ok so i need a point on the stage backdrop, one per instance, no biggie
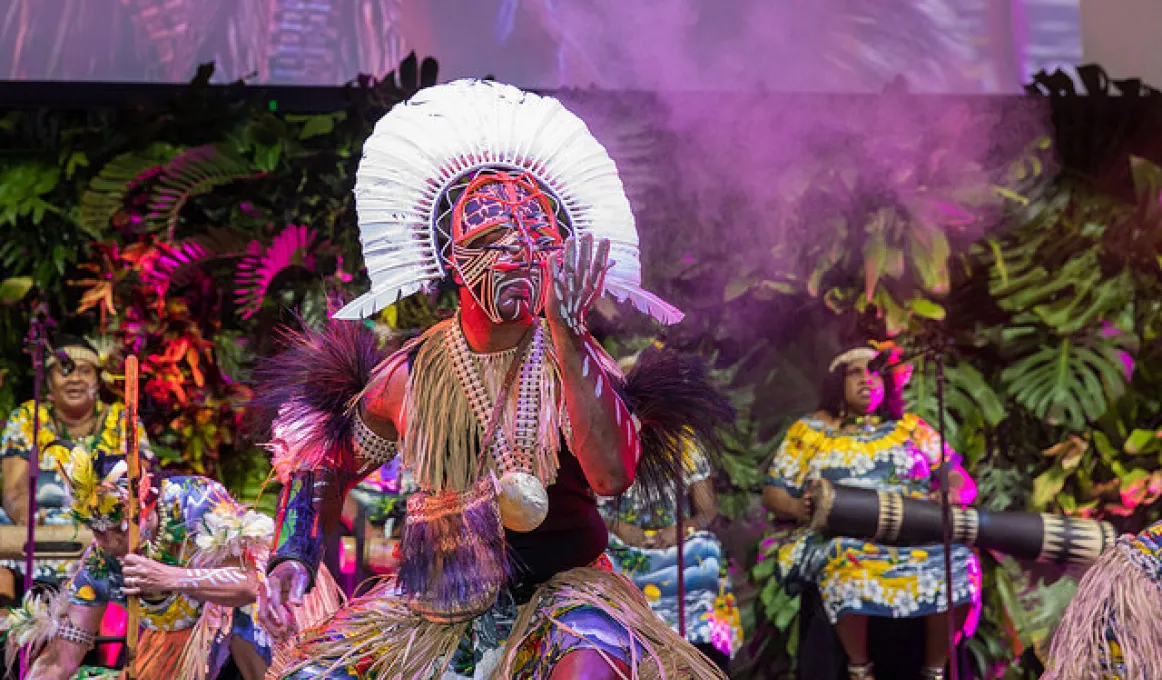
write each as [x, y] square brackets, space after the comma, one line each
[835, 45]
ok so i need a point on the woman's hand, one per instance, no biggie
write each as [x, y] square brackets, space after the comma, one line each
[631, 534]
[804, 508]
[144, 576]
[666, 538]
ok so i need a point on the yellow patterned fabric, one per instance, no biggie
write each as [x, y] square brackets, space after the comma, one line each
[52, 495]
[856, 576]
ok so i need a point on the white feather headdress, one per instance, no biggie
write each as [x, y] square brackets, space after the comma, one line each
[422, 146]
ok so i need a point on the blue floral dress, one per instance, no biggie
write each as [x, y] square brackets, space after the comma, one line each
[197, 519]
[856, 576]
[51, 496]
[712, 615]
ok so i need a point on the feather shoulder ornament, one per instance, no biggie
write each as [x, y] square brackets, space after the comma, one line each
[33, 624]
[421, 147]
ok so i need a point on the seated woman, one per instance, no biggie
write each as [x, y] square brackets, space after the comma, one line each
[643, 545]
[861, 437]
[72, 413]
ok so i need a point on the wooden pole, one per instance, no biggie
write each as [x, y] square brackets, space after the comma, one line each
[134, 508]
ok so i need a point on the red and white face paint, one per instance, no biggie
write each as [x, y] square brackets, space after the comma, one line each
[504, 230]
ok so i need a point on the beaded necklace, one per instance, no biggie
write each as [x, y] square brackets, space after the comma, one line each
[519, 455]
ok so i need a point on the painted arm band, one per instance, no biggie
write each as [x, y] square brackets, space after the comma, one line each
[298, 532]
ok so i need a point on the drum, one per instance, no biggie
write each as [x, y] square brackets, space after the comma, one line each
[891, 519]
[56, 542]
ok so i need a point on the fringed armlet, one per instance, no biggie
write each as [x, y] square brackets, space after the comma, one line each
[673, 399]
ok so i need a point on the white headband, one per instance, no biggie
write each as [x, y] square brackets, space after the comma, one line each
[76, 353]
[857, 354]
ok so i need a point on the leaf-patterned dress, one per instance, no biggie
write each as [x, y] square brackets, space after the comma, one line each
[856, 576]
[51, 496]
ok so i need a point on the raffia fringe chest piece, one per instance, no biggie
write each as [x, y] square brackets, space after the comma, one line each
[453, 544]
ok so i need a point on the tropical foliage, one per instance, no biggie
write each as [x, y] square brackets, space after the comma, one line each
[185, 232]
[182, 233]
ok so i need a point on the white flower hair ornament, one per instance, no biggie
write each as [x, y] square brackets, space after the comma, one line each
[423, 147]
[228, 533]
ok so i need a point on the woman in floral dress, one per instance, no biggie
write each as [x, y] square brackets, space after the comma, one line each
[73, 412]
[860, 437]
[643, 546]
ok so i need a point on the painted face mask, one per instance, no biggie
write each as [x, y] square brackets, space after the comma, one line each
[504, 229]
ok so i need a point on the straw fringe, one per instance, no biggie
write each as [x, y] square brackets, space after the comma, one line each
[194, 661]
[1116, 601]
[159, 653]
[379, 634]
[443, 439]
[666, 655]
[319, 605]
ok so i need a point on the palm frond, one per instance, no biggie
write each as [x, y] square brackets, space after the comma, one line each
[292, 247]
[192, 173]
[183, 263]
[107, 191]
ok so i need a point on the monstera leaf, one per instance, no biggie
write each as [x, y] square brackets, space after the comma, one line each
[1070, 382]
[1076, 296]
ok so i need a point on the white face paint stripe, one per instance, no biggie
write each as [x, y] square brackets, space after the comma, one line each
[585, 366]
[599, 384]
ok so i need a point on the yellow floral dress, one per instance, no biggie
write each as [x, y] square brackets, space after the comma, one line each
[855, 576]
[51, 496]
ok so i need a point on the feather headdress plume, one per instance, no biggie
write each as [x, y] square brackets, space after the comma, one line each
[423, 146]
[98, 500]
[33, 623]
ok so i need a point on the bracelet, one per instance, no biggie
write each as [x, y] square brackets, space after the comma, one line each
[372, 447]
[78, 636]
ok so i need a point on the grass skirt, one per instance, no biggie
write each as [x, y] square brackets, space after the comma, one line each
[377, 637]
[1113, 627]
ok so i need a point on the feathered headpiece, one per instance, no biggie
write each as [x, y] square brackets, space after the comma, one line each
[97, 484]
[423, 146]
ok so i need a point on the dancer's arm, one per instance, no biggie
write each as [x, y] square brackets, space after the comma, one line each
[229, 585]
[63, 654]
[313, 501]
[603, 433]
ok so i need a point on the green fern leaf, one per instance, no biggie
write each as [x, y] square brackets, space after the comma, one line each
[194, 172]
[107, 191]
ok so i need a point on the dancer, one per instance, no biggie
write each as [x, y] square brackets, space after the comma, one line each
[507, 421]
[1113, 627]
[860, 436]
[204, 555]
[644, 543]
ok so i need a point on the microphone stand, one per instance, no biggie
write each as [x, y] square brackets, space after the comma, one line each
[35, 341]
[680, 527]
[934, 352]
